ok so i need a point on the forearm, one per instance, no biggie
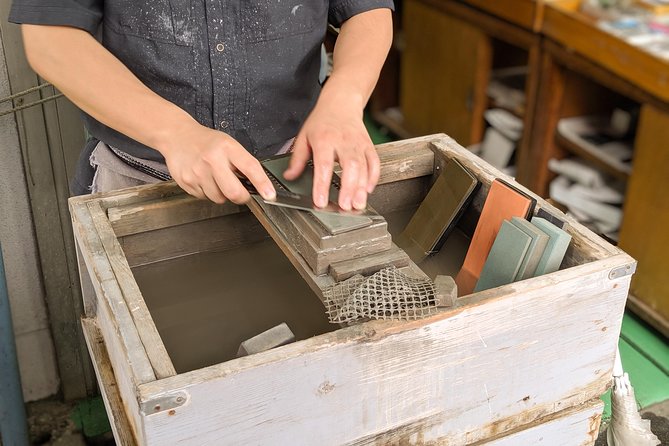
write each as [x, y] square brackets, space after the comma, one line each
[98, 83]
[360, 51]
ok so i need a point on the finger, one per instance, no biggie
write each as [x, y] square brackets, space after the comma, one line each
[373, 168]
[191, 188]
[298, 159]
[210, 188]
[230, 186]
[353, 177]
[323, 165]
[251, 168]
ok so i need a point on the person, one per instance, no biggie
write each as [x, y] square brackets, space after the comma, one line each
[199, 90]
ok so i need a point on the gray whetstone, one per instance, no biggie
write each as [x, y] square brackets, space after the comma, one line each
[447, 291]
[274, 337]
[335, 224]
[555, 249]
[438, 212]
[535, 250]
[505, 257]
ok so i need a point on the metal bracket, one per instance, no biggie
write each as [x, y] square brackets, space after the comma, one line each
[163, 403]
[622, 271]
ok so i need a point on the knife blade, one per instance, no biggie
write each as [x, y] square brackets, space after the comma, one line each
[287, 199]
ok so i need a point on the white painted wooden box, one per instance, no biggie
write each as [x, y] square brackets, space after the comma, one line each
[172, 285]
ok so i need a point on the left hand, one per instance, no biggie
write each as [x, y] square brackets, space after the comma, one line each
[334, 131]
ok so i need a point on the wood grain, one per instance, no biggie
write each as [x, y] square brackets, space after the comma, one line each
[108, 386]
[577, 425]
[644, 231]
[153, 345]
[379, 376]
[129, 360]
[164, 213]
[219, 233]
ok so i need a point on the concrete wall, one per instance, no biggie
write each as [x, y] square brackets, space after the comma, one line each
[31, 326]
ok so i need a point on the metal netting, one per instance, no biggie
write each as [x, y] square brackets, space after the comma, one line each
[387, 294]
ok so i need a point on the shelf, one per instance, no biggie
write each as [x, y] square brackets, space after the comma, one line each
[525, 13]
[564, 24]
[577, 150]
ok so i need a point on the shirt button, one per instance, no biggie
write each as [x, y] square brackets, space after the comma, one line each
[224, 124]
[220, 47]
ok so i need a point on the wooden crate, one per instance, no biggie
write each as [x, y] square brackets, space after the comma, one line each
[519, 364]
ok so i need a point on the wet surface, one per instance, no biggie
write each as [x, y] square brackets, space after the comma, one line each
[205, 305]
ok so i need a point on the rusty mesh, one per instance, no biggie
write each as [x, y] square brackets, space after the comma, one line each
[387, 294]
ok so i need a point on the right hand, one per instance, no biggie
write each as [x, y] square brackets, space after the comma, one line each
[204, 163]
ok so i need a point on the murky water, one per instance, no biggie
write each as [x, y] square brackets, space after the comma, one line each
[205, 305]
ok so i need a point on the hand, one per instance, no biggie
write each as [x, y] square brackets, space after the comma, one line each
[334, 131]
[204, 161]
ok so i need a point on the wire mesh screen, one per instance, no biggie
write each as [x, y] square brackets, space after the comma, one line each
[387, 294]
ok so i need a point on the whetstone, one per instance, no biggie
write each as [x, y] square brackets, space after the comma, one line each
[323, 238]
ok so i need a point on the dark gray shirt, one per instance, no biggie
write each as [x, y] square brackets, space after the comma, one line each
[247, 67]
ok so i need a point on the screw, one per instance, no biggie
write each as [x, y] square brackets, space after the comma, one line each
[180, 399]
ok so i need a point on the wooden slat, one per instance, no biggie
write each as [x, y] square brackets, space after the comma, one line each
[214, 234]
[524, 13]
[108, 386]
[153, 345]
[578, 425]
[644, 231]
[126, 352]
[164, 213]
[379, 376]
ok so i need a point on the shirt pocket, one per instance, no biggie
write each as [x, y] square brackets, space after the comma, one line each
[168, 21]
[265, 20]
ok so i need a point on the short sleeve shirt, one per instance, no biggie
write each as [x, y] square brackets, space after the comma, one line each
[246, 67]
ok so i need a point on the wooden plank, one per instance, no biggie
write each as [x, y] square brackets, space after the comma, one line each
[153, 345]
[219, 233]
[108, 386]
[363, 379]
[493, 26]
[577, 425]
[646, 341]
[564, 23]
[651, 384]
[164, 213]
[46, 139]
[646, 213]
[519, 12]
[369, 264]
[129, 360]
[436, 94]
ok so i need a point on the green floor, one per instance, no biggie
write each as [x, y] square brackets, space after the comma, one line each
[645, 356]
